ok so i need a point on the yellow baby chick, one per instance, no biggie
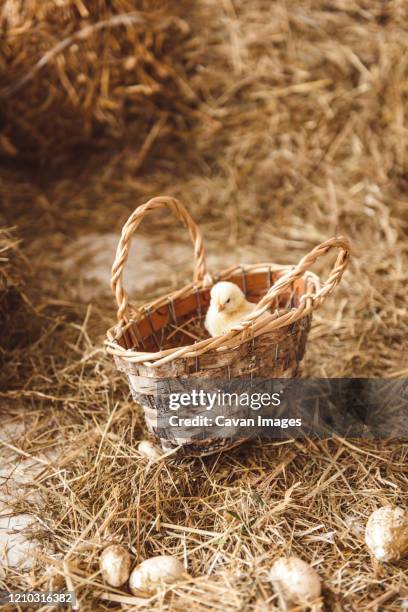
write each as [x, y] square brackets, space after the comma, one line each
[228, 306]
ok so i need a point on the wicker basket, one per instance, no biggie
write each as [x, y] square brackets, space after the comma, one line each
[149, 344]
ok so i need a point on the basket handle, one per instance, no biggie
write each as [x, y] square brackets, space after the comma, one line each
[315, 299]
[131, 225]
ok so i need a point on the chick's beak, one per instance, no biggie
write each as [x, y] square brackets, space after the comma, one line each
[220, 307]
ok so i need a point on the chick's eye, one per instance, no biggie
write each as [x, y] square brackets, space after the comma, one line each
[229, 299]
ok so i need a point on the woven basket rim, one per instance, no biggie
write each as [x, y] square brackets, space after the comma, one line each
[229, 341]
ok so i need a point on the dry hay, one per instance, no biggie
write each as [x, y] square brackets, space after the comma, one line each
[302, 137]
[16, 310]
[11, 283]
[11, 263]
[75, 73]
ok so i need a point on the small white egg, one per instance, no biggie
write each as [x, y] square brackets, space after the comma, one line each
[295, 581]
[115, 565]
[149, 450]
[147, 577]
[386, 533]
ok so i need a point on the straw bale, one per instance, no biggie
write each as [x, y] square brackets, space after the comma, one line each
[75, 74]
[15, 308]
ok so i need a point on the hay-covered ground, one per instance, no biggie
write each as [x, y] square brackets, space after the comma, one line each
[290, 129]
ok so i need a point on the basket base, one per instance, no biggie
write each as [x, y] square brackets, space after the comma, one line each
[202, 448]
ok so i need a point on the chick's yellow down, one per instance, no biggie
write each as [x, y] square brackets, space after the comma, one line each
[228, 306]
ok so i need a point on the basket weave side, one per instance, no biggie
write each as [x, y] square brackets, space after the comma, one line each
[275, 355]
[269, 355]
